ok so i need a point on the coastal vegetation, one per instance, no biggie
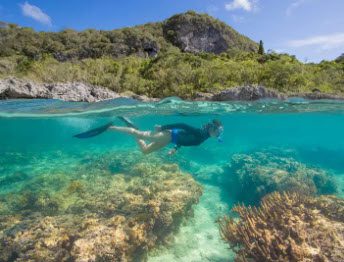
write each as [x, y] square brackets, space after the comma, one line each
[184, 74]
[152, 60]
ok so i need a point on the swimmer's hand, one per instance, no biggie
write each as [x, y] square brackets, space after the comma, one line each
[157, 128]
[172, 152]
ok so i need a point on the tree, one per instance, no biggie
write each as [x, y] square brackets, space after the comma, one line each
[340, 58]
[261, 48]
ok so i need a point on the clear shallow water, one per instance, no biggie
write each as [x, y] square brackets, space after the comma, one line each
[36, 138]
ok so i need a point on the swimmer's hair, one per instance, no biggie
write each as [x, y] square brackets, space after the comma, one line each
[215, 122]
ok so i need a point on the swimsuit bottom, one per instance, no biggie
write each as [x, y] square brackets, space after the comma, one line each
[174, 135]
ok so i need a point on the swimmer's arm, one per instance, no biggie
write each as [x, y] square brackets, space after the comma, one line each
[173, 150]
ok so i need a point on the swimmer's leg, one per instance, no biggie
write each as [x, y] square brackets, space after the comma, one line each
[159, 139]
[151, 147]
[146, 135]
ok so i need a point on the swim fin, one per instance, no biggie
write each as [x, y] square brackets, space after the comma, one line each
[94, 132]
[127, 121]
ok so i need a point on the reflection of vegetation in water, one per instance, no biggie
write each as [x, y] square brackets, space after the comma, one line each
[288, 227]
[89, 213]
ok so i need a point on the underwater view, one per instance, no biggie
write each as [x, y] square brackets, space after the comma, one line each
[270, 190]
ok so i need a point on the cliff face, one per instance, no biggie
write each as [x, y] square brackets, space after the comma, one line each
[191, 32]
[196, 33]
[203, 39]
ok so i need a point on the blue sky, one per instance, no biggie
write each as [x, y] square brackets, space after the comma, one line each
[312, 30]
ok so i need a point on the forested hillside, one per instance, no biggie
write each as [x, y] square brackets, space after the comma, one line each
[183, 55]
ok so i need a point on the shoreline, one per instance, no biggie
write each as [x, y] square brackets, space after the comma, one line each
[14, 88]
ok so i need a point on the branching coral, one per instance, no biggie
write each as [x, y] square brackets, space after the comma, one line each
[287, 227]
[261, 173]
[106, 217]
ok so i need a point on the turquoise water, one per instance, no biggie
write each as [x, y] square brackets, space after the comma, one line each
[36, 139]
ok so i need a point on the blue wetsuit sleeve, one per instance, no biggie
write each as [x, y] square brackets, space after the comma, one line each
[179, 126]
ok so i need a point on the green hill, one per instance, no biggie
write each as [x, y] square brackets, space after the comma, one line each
[202, 32]
[181, 56]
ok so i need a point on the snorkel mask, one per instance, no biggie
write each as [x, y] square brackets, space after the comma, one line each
[217, 125]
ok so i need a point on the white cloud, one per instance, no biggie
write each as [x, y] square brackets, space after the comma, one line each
[324, 42]
[35, 13]
[296, 4]
[247, 5]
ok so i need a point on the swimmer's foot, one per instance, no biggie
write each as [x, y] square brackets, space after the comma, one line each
[127, 121]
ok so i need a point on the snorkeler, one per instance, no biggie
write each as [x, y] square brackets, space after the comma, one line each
[177, 134]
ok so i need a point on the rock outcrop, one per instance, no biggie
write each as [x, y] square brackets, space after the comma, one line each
[189, 31]
[201, 96]
[319, 95]
[12, 88]
[247, 93]
[196, 33]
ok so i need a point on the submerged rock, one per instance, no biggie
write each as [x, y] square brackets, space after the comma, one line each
[288, 227]
[261, 173]
[91, 216]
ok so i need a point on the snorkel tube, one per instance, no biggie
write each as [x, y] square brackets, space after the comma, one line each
[220, 135]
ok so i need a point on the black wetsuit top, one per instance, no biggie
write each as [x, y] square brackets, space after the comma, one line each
[187, 135]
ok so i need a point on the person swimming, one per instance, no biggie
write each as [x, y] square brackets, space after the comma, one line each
[179, 134]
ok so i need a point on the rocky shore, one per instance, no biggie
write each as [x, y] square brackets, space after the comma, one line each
[13, 88]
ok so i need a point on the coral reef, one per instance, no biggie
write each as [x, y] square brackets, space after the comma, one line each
[261, 173]
[91, 213]
[288, 227]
